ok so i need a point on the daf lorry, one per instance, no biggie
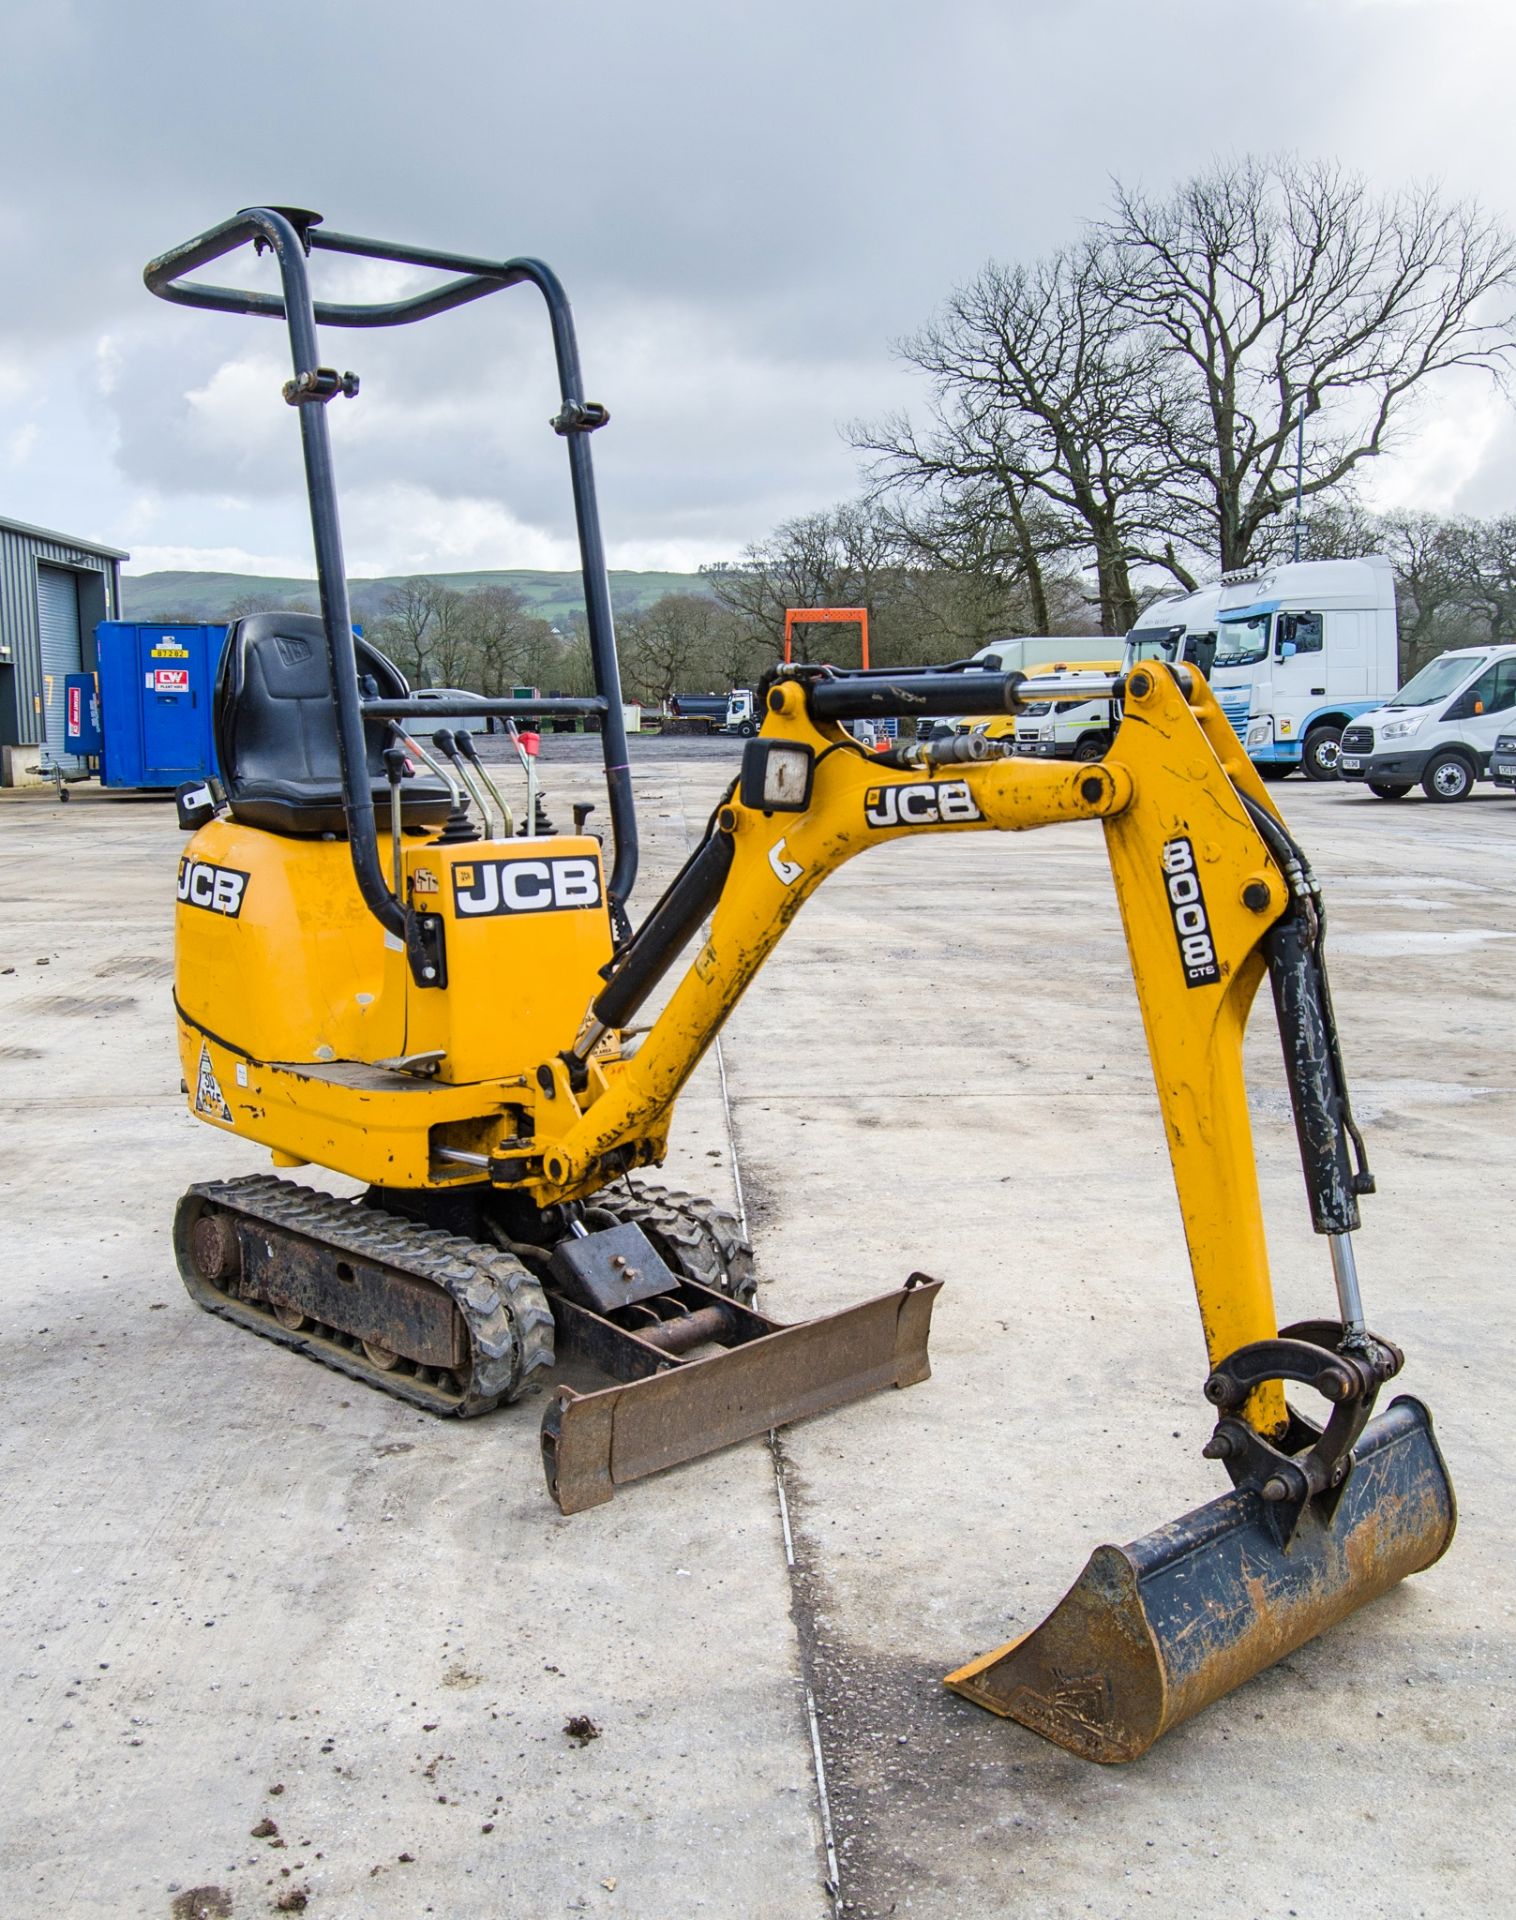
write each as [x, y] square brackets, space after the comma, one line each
[1304, 649]
[1179, 628]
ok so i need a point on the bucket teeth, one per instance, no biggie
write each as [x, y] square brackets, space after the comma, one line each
[1152, 1632]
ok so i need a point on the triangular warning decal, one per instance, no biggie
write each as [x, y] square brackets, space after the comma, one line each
[209, 1099]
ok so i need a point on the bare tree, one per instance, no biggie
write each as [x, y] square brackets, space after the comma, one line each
[1488, 573]
[668, 643]
[502, 636]
[1278, 291]
[453, 659]
[839, 557]
[992, 556]
[922, 606]
[1045, 394]
[407, 628]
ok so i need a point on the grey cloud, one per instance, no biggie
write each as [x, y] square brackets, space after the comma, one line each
[760, 195]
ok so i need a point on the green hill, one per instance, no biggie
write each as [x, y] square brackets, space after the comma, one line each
[207, 596]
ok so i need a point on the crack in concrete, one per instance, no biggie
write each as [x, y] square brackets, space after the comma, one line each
[802, 1613]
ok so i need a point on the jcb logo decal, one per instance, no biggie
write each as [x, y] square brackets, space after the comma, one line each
[1192, 926]
[525, 886]
[216, 889]
[924, 803]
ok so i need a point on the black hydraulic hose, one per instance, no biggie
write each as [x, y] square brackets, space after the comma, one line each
[1316, 1092]
[1295, 949]
[667, 930]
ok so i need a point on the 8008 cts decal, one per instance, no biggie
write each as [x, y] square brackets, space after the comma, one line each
[922, 803]
[1192, 924]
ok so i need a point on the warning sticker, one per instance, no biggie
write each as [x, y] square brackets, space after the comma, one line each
[171, 679]
[209, 1099]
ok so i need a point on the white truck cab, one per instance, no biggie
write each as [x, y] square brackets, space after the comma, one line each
[1029, 654]
[1304, 649]
[1069, 729]
[1182, 627]
[741, 714]
[1440, 730]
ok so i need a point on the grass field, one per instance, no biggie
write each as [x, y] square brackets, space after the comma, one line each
[207, 596]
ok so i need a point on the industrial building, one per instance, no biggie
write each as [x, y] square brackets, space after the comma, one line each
[54, 590]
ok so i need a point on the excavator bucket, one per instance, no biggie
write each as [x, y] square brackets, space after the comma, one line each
[1152, 1632]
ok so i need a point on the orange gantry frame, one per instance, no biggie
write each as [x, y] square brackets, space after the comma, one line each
[812, 616]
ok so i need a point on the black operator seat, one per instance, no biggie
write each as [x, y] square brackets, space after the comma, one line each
[276, 730]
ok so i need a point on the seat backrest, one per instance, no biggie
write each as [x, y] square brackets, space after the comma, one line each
[276, 726]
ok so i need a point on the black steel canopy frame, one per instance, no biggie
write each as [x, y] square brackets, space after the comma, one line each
[291, 233]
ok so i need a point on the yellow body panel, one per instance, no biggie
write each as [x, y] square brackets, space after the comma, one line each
[290, 964]
[290, 996]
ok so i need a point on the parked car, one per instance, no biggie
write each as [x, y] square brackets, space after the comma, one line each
[1440, 729]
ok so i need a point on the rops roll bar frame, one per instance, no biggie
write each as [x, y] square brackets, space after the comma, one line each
[291, 233]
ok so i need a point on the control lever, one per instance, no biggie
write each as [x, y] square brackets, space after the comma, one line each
[447, 744]
[396, 766]
[470, 753]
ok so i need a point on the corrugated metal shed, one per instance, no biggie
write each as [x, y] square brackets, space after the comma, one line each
[97, 574]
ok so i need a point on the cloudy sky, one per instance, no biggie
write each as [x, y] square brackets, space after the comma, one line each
[747, 199]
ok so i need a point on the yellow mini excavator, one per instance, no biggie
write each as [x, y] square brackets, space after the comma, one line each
[376, 975]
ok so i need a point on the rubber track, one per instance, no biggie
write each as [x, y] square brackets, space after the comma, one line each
[509, 1322]
[698, 1239]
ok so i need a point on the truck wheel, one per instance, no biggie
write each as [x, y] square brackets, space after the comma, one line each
[1091, 747]
[1319, 754]
[1388, 790]
[747, 728]
[1448, 776]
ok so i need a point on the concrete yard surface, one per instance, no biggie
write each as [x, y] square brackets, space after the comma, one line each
[273, 1637]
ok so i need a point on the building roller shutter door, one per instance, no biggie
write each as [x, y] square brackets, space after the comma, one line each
[62, 654]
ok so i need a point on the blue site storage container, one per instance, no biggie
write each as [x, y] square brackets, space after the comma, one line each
[155, 702]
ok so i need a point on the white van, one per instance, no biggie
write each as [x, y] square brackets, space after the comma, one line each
[1440, 729]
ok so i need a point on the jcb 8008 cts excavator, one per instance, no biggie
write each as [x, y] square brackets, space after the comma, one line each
[376, 976]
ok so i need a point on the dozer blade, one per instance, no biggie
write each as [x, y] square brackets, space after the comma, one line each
[1152, 1632]
[593, 1443]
